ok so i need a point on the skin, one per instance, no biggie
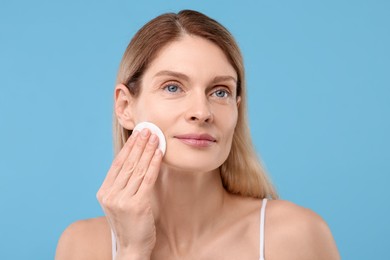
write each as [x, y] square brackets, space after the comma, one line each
[175, 207]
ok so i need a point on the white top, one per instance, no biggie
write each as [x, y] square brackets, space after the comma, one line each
[262, 225]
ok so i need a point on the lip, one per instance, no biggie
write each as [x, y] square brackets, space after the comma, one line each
[196, 140]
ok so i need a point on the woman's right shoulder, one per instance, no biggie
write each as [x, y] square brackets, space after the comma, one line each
[85, 239]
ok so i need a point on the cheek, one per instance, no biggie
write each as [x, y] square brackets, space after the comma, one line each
[156, 113]
[227, 125]
[227, 119]
[148, 110]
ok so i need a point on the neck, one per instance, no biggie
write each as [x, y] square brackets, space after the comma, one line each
[187, 205]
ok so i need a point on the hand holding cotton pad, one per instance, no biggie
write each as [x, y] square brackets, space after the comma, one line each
[162, 145]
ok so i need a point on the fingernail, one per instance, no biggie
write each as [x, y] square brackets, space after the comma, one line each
[153, 138]
[134, 134]
[158, 153]
[144, 132]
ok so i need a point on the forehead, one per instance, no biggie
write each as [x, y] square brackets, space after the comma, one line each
[193, 56]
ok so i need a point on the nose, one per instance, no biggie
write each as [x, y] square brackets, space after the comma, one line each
[199, 110]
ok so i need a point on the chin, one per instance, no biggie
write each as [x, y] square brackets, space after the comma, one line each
[192, 162]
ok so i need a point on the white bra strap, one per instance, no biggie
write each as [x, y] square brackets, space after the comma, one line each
[113, 239]
[262, 225]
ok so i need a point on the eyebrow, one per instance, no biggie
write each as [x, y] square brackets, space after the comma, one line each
[182, 76]
[173, 74]
[224, 78]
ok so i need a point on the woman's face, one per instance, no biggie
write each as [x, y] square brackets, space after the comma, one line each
[189, 91]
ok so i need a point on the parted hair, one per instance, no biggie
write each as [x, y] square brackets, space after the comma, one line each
[242, 173]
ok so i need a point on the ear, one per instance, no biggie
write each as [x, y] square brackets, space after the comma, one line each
[123, 106]
[238, 101]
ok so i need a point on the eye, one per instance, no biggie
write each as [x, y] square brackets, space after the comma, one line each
[172, 88]
[221, 93]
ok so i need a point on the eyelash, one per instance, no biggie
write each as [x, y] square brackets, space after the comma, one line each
[169, 84]
[227, 92]
[180, 89]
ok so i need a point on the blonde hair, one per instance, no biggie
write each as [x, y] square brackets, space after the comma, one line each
[242, 172]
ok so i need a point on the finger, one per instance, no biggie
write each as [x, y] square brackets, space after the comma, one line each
[118, 162]
[132, 161]
[151, 174]
[142, 166]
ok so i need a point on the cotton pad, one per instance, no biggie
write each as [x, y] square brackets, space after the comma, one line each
[162, 145]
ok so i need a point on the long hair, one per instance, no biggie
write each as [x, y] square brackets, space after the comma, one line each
[241, 173]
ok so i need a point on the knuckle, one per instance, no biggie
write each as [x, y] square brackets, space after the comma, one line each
[117, 163]
[105, 201]
[140, 171]
[140, 144]
[108, 201]
[130, 167]
[99, 196]
[148, 179]
[122, 206]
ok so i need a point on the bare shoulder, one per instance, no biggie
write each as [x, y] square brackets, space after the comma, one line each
[85, 239]
[294, 232]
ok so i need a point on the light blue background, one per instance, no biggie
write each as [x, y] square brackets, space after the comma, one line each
[318, 79]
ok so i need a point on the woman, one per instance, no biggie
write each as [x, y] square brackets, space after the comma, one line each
[206, 198]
